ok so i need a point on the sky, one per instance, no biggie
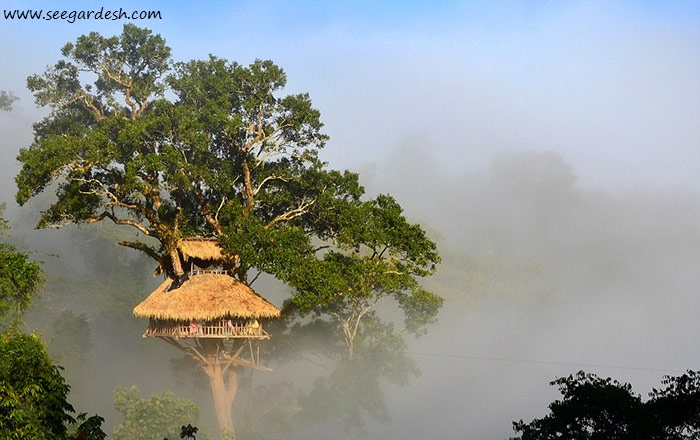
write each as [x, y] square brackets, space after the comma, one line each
[440, 103]
[613, 86]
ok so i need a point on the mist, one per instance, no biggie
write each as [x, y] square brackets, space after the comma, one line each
[541, 278]
[552, 152]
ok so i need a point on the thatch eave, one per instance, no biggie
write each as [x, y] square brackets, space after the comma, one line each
[207, 249]
[206, 297]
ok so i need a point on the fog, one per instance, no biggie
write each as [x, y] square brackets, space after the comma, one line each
[541, 279]
[553, 154]
[617, 297]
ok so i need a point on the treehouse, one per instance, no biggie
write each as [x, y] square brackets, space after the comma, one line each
[206, 305]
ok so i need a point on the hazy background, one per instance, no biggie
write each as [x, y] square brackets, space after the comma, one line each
[551, 148]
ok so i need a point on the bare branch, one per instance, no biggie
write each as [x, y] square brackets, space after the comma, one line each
[212, 220]
[88, 102]
[105, 192]
[221, 205]
[142, 247]
[233, 359]
[119, 221]
[250, 283]
[303, 208]
[277, 144]
[267, 179]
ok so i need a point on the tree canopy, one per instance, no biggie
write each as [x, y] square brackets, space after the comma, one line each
[595, 408]
[213, 148]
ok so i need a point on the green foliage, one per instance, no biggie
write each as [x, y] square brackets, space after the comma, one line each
[20, 279]
[152, 418]
[188, 432]
[87, 428]
[372, 253]
[119, 150]
[33, 403]
[595, 408]
[94, 143]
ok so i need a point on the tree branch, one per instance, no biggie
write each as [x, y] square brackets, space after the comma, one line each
[293, 213]
[87, 100]
[212, 220]
[267, 179]
[119, 221]
[106, 193]
[141, 247]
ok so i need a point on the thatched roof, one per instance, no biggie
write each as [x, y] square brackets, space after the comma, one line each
[205, 297]
[202, 252]
[202, 249]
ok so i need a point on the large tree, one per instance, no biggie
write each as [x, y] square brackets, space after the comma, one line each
[213, 148]
[117, 149]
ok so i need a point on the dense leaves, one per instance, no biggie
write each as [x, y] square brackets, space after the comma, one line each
[87, 428]
[33, 393]
[373, 254]
[594, 408]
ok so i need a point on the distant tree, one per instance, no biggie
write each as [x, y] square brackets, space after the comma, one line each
[353, 389]
[6, 100]
[71, 338]
[160, 415]
[593, 408]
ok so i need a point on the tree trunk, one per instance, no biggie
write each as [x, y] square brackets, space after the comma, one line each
[175, 257]
[224, 386]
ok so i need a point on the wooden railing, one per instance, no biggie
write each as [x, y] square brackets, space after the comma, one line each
[207, 271]
[224, 328]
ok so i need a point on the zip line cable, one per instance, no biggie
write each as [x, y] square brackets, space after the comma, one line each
[538, 362]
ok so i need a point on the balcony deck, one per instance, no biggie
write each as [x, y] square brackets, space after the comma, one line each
[220, 329]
